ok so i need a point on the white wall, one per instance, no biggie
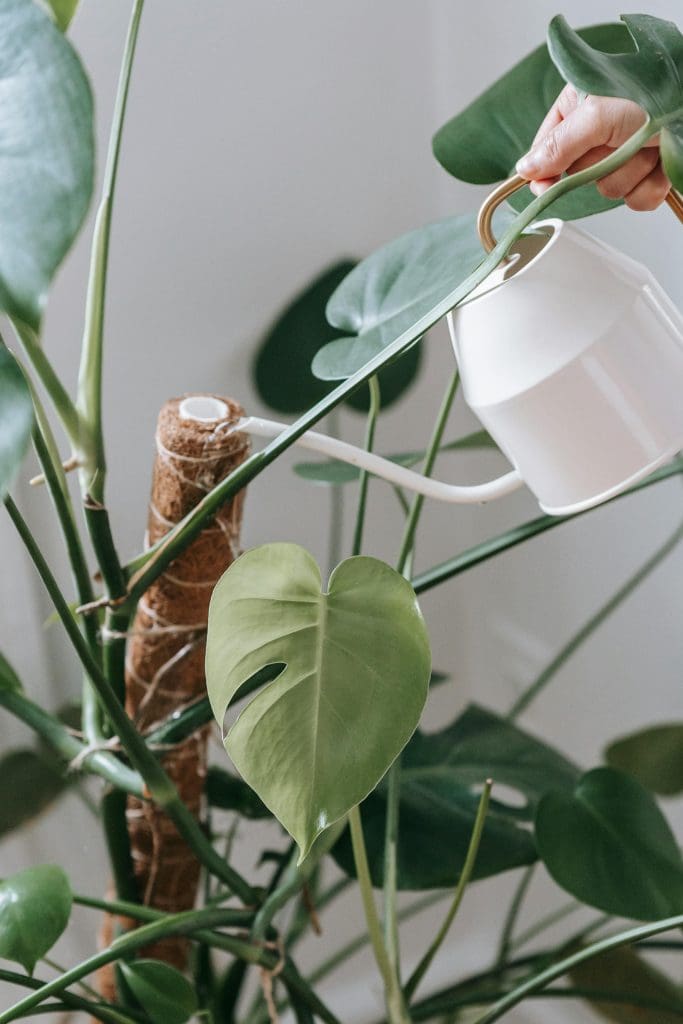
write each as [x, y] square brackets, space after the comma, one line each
[263, 141]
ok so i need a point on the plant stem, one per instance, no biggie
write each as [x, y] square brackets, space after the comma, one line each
[465, 876]
[520, 892]
[69, 1001]
[439, 574]
[596, 620]
[150, 564]
[334, 545]
[160, 787]
[65, 408]
[373, 413]
[547, 921]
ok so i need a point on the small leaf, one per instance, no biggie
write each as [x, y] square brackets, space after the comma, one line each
[651, 75]
[16, 417]
[9, 680]
[483, 143]
[30, 784]
[230, 793]
[317, 739]
[653, 756]
[609, 845]
[63, 11]
[166, 996]
[35, 906]
[622, 970]
[333, 472]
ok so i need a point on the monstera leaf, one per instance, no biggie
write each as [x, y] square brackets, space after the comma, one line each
[31, 783]
[483, 143]
[16, 418]
[609, 845]
[654, 756]
[440, 774]
[313, 742]
[622, 970]
[651, 75]
[35, 906]
[46, 154]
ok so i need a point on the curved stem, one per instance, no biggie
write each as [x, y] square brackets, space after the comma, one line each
[69, 1001]
[373, 413]
[520, 892]
[65, 408]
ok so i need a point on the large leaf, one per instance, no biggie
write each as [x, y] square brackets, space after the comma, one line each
[651, 75]
[16, 416]
[390, 290]
[9, 680]
[35, 905]
[654, 756]
[609, 845]
[622, 970]
[317, 739]
[483, 143]
[30, 784]
[46, 154]
[166, 996]
[282, 367]
[440, 775]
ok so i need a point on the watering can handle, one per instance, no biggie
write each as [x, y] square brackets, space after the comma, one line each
[506, 188]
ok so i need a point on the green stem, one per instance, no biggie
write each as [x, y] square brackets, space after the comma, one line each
[116, 834]
[66, 410]
[373, 413]
[148, 566]
[547, 921]
[519, 895]
[334, 545]
[69, 1001]
[161, 788]
[596, 620]
[439, 574]
[465, 876]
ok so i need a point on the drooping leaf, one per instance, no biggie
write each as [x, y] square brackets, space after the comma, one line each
[63, 11]
[16, 415]
[483, 143]
[622, 970]
[46, 154]
[609, 845]
[230, 793]
[650, 74]
[35, 906]
[317, 739]
[331, 471]
[282, 367]
[9, 680]
[30, 784]
[440, 775]
[654, 756]
[392, 288]
[166, 996]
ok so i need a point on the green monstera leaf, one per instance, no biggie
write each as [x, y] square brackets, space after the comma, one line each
[483, 143]
[654, 756]
[35, 906]
[31, 783]
[651, 75]
[654, 997]
[16, 418]
[318, 738]
[46, 154]
[166, 996]
[609, 845]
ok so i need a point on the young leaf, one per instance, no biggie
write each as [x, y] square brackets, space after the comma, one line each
[622, 970]
[609, 845]
[16, 415]
[30, 784]
[46, 154]
[483, 143]
[653, 756]
[651, 74]
[313, 742]
[35, 906]
[166, 996]
[9, 680]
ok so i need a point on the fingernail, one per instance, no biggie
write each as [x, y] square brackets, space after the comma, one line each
[527, 165]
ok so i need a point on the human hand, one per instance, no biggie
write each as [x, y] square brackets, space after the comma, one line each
[577, 134]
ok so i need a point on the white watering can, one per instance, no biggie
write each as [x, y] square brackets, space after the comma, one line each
[571, 355]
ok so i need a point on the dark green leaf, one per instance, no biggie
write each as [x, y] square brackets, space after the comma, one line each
[440, 774]
[654, 756]
[282, 368]
[609, 845]
[63, 11]
[650, 74]
[316, 740]
[30, 784]
[166, 996]
[16, 414]
[332, 472]
[46, 154]
[9, 680]
[622, 970]
[230, 793]
[35, 905]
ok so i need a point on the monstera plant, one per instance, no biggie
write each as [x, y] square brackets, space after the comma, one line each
[330, 675]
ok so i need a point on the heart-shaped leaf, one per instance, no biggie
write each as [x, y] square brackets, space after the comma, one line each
[654, 756]
[30, 784]
[483, 143]
[16, 416]
[317, 739]
[440, 775]
[9, 680]
[166, 996]
[390, 290]
[609, 845]
[46, 154]
[35, 905]
[282, 368]
[650, 75]
[623, 971]
[332, 472]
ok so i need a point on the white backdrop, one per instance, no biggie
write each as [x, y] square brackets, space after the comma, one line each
[265, 140]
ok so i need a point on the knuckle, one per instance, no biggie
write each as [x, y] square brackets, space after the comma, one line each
[609, 188]
[551, 147]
